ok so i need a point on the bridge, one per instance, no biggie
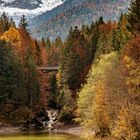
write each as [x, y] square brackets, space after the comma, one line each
[48, 69]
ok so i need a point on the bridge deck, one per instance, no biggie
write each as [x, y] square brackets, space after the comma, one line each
[49, 68]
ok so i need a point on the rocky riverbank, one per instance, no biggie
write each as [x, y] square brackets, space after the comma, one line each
[11, 130]
[44, 121]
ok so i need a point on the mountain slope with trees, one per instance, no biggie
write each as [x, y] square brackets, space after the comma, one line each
[75, 13]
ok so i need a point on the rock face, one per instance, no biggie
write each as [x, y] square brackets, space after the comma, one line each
[52, 114]
[2, 124]
[44, 119]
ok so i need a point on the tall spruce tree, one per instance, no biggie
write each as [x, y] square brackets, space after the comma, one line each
[23, 22]
[101, 21]
[12, 23]
[53, 92]
[94, 39]
[4, 23]
[38, 54]
[134, 16]
[121, 34]
[48, 43]
[32, 81]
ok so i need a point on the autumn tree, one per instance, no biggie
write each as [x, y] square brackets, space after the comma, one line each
[92, 103]
[12, 36]
[53, 51]
[109, 101]
[127, 125]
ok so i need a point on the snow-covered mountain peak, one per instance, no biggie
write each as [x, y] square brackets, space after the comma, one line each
[30, 8]
[8, 1]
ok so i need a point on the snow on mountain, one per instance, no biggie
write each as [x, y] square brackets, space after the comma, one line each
[30, 8]
[7, 0]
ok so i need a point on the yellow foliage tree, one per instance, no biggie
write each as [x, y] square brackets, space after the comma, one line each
[11, 36]
[92, 110]
[128, 120]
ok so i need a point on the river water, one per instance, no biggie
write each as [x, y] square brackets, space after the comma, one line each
[41, 137]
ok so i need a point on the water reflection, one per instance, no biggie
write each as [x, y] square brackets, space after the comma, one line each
[41, 137]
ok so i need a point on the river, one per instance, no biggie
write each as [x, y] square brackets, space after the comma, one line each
[41, 137]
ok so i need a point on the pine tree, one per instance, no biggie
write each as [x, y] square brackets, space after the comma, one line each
[23, 22]
[4, 23]
[43, 42]
[134, 16]
[53, 92]
[120, 35]
[32, 81]
[48, 43]
[12, 23]
[101, 21]
[94, 39]
[58, 42]
[38, 54]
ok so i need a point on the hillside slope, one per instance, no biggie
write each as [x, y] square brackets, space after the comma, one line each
[75, 13]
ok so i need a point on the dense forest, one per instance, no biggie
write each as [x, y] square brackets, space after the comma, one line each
[98, 82]
[75, 12]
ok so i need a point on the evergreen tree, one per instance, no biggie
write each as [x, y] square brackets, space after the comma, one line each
[134, 16]
[48, 43]
[73, 70]
[115, 42]
[43, 42]
[38, 54]
[101, 21]
[120, 35]
[23, 22]
[32, 81]
[70, 61]
[12, 76]
[58, 42]
[53, 92]
[12, 23]
[4, 23]
[94, 39]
